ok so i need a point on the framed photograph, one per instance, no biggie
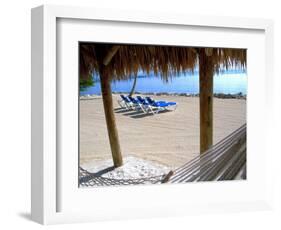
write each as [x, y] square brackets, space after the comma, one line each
[139, 115]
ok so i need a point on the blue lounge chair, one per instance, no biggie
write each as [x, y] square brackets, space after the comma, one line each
[160, 105]
[138, 104]
[125, 102]
[142, 100]
[146, 104]
[151, 101]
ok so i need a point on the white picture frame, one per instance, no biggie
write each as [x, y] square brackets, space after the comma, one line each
[54, 199]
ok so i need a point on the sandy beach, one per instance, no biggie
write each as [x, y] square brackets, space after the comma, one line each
[170, 139]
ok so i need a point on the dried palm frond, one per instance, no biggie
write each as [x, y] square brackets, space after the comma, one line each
[163, 61]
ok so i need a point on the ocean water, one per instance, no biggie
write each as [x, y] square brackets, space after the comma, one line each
[228, 83]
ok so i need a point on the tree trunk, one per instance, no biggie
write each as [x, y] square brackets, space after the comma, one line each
[134, 86]
[206, 71]
[110, 118]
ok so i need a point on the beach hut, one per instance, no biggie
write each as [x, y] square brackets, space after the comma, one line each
[119, 62]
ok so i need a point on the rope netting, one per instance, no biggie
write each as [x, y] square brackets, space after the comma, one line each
[88, 179]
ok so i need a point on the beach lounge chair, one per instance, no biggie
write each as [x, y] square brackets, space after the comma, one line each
[138, 104]
[125, 102]
[160, 105]
[145, 104]
[122, 102]
[151, 101]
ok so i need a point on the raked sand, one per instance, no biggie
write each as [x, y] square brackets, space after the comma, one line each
[170, 139]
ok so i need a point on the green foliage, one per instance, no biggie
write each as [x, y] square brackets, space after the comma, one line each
[85, 83]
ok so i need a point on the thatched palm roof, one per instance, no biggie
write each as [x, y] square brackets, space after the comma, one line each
[166, 61]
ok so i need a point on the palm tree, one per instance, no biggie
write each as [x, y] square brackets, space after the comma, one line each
[134, 85]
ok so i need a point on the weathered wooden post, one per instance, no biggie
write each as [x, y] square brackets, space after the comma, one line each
[206, 71]
[105, 56]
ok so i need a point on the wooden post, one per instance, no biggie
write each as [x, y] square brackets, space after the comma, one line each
[104, 56]
[206, 71]
[110, 118]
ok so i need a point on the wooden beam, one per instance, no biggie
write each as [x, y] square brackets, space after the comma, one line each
[110, 54]
[206, 70]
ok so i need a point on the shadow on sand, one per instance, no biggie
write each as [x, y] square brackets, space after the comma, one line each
[103, 171]
[138, 113]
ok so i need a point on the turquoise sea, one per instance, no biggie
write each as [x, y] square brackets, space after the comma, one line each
[231, 82]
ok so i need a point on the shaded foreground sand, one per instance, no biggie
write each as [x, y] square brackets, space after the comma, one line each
[170, 138]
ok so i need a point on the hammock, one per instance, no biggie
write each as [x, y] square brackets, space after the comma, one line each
[225, 160]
